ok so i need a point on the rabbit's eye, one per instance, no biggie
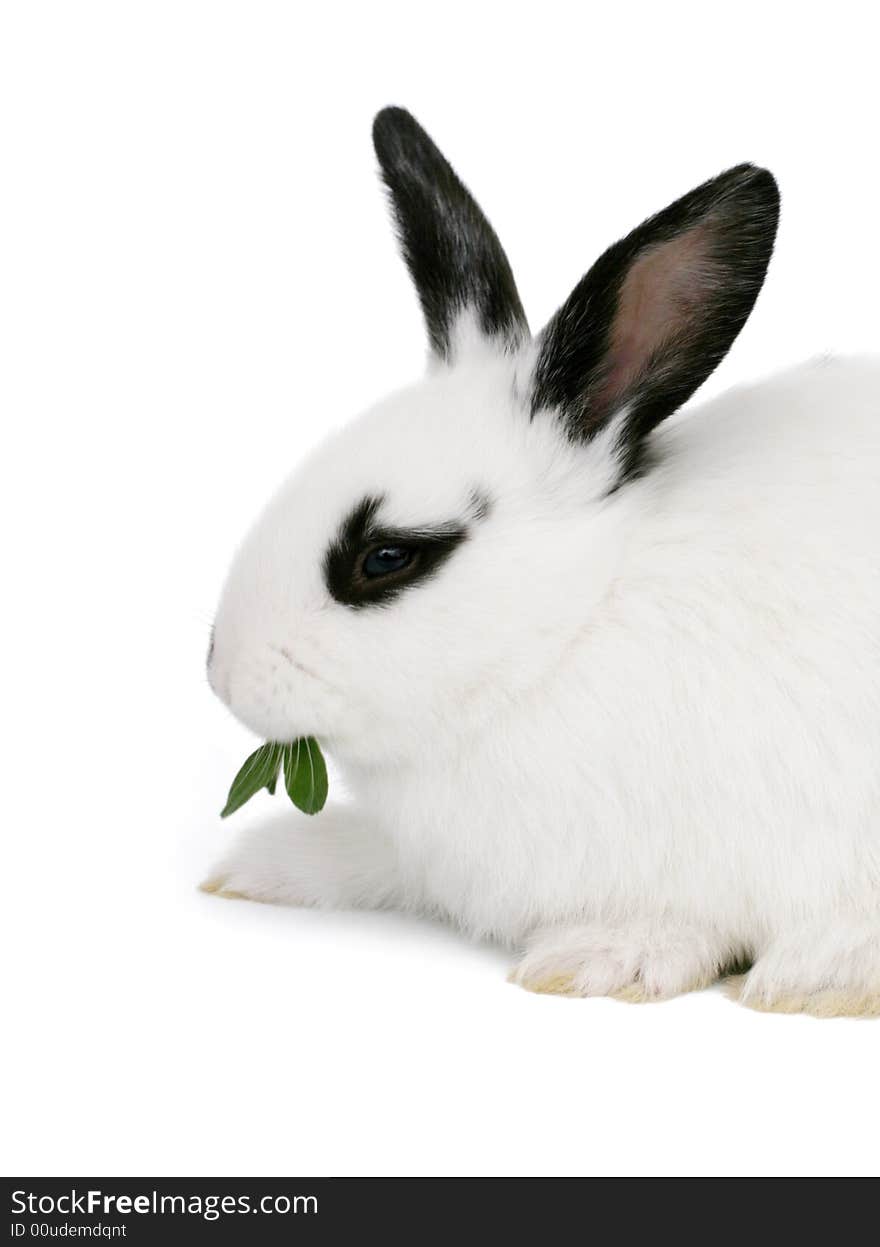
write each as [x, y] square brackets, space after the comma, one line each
[367, 564]
[384, 560]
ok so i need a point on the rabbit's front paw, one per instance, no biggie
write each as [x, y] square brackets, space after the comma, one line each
[256, 871]
[337, 862]
[638, 963]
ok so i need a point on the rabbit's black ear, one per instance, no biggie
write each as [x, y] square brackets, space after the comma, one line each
[451, 250]
[658, 311]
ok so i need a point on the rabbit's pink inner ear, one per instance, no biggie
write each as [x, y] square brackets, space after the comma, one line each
[658, 309]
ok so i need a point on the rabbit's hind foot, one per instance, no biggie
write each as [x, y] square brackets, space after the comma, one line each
[827, 970]
[639, 963]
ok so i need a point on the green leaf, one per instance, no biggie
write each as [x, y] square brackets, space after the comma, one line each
[305, 775]
[259, 771]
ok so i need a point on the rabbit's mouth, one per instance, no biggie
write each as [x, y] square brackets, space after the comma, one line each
[272, 692]
[307, 671]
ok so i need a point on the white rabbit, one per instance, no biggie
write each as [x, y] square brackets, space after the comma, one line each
[602, 688]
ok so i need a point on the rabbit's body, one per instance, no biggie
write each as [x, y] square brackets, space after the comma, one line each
[600, 686]
[706, 745]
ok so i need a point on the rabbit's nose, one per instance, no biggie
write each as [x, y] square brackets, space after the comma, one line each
[218, 675]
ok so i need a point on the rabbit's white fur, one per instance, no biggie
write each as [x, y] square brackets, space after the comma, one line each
[630, 723]
[636, 732]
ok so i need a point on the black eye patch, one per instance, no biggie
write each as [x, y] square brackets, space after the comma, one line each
[369, 564]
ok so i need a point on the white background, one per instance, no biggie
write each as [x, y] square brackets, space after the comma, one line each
[197, 281]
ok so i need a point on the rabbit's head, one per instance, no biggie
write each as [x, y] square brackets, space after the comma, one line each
[431, 563]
